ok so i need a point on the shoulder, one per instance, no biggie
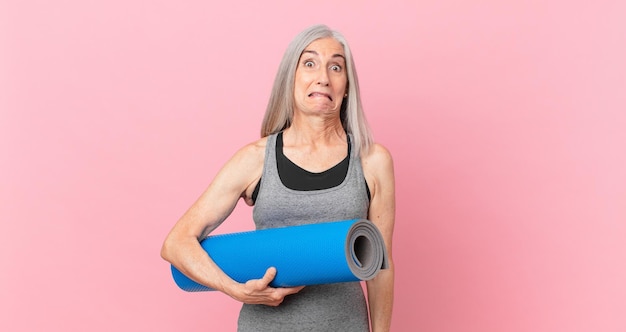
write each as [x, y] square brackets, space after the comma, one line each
[253, 148]
[250, 155]
[378, 169]
[244, 169]
[378, 158]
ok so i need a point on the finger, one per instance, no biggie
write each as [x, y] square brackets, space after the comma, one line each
[264, 282]
[270, 274]
[288, 290]
[293, 290]
[280, 294]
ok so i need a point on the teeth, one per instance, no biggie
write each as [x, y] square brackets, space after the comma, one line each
[320, 94]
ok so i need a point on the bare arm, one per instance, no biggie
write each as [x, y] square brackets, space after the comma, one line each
[378, 168]
[182, 245]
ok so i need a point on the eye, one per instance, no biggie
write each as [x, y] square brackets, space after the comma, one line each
[309, 63]
[335, 68]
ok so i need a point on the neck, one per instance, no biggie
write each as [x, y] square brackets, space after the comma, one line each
[316, 130]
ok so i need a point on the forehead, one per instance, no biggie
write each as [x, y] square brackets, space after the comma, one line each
[325, 46]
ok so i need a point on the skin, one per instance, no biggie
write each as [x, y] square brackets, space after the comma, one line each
[315, 141]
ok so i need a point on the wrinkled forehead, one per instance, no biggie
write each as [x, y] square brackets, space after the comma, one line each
[329, 47]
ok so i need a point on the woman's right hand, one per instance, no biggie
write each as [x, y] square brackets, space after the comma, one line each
[258, 291]
[182, 247]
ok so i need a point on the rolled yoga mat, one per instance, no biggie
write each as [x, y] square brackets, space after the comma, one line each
[304, 255]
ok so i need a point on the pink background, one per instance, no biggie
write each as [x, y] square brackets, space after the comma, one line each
[506, 120]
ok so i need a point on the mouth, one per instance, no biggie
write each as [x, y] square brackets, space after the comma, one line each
[321, 94]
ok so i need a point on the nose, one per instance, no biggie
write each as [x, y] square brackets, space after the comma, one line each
[322, 79]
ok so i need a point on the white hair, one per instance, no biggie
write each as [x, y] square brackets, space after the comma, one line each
[279, 112]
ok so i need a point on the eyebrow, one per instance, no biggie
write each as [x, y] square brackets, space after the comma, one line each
[336, 55]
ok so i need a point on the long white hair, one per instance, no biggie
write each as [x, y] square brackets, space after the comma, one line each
[279, 112]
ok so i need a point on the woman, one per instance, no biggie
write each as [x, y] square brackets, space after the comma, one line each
[315, 162]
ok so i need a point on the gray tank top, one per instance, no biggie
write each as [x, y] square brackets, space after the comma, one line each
[330, 307]
[277, 206]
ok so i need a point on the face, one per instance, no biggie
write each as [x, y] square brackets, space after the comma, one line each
[321, 79]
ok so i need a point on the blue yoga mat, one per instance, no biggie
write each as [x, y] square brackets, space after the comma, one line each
[328, 252]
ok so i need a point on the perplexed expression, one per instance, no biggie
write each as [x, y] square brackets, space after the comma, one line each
[321, 79]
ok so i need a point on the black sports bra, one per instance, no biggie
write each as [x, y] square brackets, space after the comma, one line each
[296, 178]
